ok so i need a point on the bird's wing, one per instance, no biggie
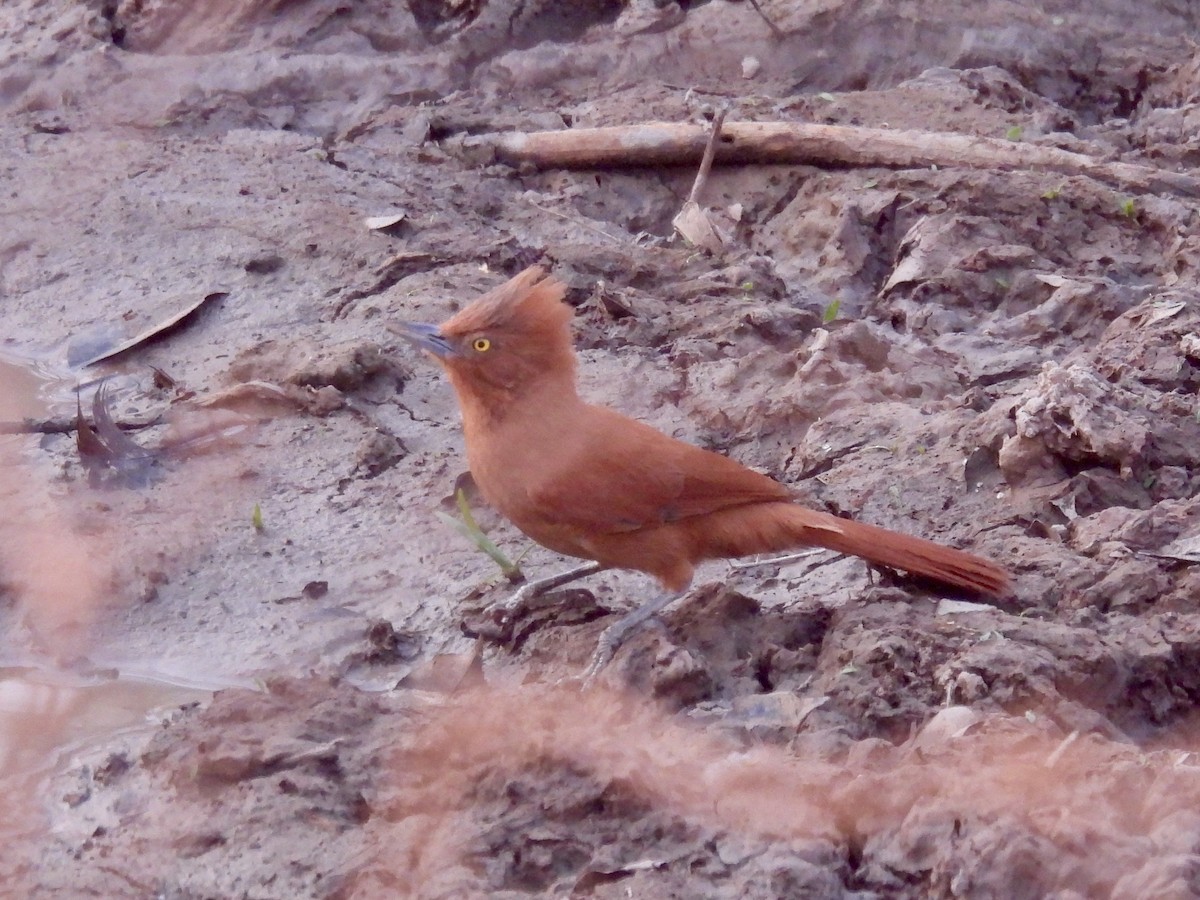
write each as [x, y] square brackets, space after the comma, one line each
[626, 476]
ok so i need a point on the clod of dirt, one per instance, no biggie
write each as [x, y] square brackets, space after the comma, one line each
[377, 453]
[347, 367]
[512, 628]
[1080, 417]
[264, 265]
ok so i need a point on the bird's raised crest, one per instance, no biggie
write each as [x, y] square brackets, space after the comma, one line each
[530, 303]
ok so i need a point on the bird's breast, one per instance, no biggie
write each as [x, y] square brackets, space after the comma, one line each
[509, 467]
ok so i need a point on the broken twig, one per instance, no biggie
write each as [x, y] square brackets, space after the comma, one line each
[775, 29]
[575, 221]
[692, 222]
[710, 152]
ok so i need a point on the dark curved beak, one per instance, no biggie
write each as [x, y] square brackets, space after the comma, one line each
[427, 337]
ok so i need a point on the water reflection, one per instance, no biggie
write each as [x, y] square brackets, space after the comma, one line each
[48, 716]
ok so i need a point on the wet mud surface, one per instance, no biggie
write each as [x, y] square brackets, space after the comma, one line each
[1005, 359]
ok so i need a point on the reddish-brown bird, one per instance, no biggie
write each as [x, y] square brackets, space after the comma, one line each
[591, 483]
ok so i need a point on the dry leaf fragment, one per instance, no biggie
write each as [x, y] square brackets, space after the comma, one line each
[103, 445]
[255, 393]
[120, 445]
[697, 228]
[1183, 549]
[383, 223]
[1163, 310]
[162, 380]
[91, 448]
[161, 330]
[948, 607]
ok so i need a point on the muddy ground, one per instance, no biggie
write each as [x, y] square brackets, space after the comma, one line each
[1003, 360]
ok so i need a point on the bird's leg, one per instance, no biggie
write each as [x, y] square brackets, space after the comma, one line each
[614, 635]
[536, 588]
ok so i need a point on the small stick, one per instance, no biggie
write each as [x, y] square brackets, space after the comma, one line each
[574, 221]
[710, 152]
[777, 560]
[775, 30]
[1057, 753]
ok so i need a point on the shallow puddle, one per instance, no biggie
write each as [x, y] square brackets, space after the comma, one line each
[46, 715]
[33, 389]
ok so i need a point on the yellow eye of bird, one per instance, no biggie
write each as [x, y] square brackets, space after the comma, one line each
[481, 344]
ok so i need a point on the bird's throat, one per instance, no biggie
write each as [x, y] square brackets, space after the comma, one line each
[487, 405]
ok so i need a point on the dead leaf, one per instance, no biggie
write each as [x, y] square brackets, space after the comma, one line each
[949, 723]
[161, 330]
[258, 393]
[119, 444]
[1066, 506]
[614, 304]
[948, 607]
[103, 442]
[775, 709]
[91, 448]
[383, 223]
[597, 875]
[1162, 310]
[979, 466]
[162, 380]
[697, 228]
[1184, 549]
[103, 445]
[446, 672]
[930, 247]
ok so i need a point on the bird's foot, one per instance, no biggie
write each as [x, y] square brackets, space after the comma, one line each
[498, 622]
[615, 634]
[515, 604]
[506, 612]
[605, 650]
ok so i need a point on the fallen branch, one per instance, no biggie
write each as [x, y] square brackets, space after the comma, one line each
[669, 144]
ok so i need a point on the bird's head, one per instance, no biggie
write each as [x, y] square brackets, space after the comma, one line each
[514, 337]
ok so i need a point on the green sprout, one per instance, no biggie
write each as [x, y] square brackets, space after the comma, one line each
[256, 519]
[469, 528]
[1014, 133]
[1129, 208]
[1052, 193]
[831, 311]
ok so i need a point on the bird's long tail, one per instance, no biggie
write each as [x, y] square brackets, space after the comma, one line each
[911, 554]
[766, 528]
